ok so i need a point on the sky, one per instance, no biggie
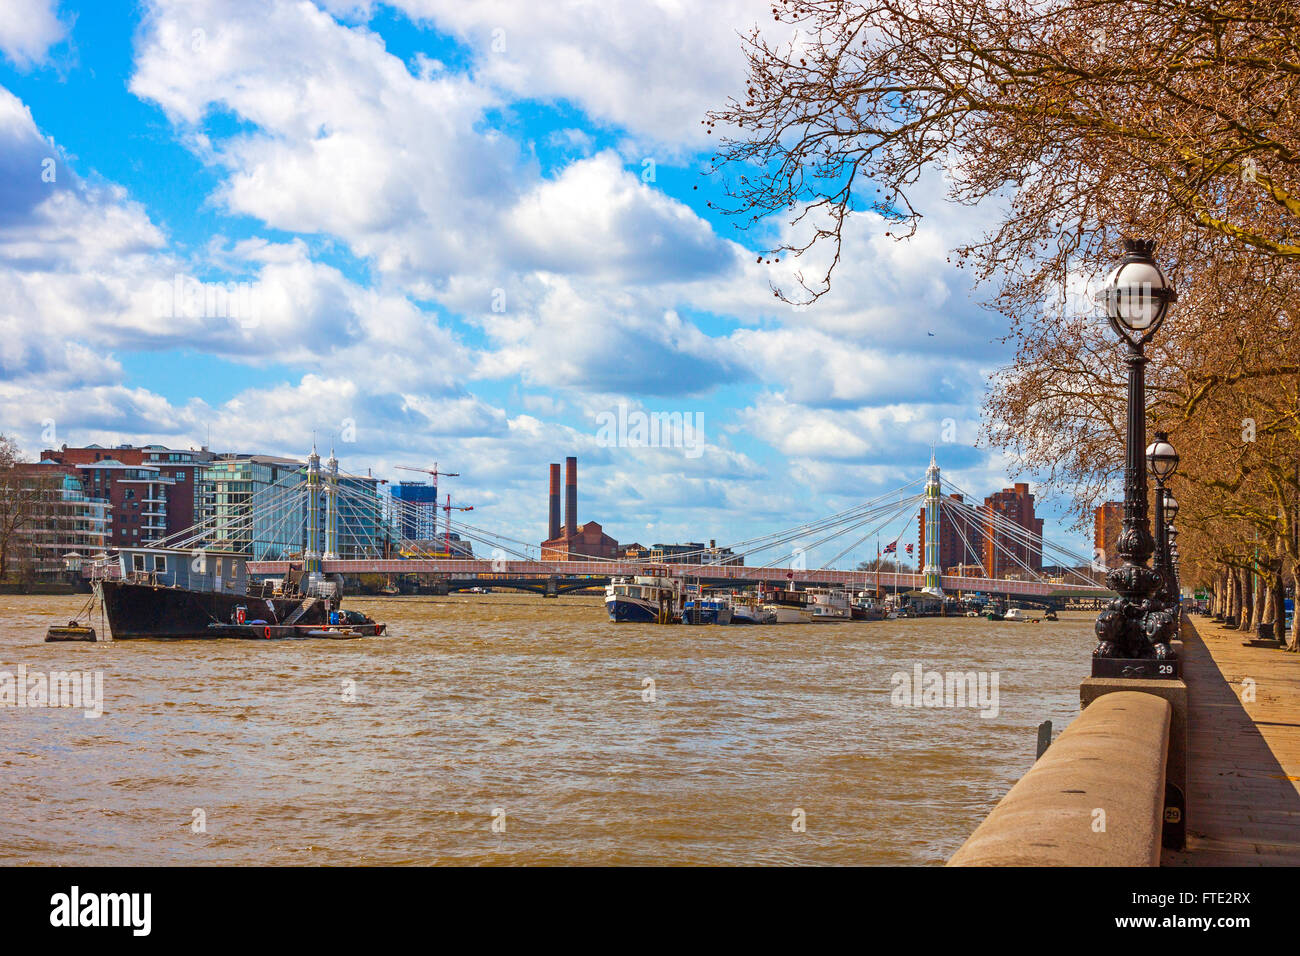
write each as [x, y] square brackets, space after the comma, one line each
[465, 233]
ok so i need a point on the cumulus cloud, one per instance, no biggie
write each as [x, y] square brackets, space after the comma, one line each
[28, 28]
[425, 285]
[651, 69]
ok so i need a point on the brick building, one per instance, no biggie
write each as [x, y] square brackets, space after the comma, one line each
[961, 540]
[1107, 521]
[153, 491]
[573, 542]
[1015, 504]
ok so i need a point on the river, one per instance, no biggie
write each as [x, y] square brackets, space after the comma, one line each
[761, 745]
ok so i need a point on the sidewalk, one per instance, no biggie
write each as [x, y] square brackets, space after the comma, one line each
[1243, 800]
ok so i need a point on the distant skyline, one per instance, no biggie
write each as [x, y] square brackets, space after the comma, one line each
[476, 234]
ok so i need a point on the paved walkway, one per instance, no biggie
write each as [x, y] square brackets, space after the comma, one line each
[1243, 799]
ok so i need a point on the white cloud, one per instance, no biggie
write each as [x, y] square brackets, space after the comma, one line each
[28, 28]
[653, 69]
[609, 290]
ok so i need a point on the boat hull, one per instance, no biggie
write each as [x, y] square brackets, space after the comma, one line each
[831, 616]
[751, 614]
[625, 610]
[142, 611]
[786, 614]
[706, 615]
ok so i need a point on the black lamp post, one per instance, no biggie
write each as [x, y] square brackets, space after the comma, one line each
[1162, 462]
[1171, 536]
[1134, 632]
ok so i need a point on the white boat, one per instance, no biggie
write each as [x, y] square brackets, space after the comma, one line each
[640, 599]
[1021, 614]
[788, 614]
[829, 605]
[790, 606]
[750, 612]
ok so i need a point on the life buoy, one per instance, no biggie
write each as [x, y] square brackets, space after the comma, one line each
[266, 632]
[240, 617]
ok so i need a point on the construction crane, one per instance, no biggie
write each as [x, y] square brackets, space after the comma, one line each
[448, 508]
[436, 475]
[430, 471]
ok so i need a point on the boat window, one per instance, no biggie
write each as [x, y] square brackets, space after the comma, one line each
[137, 562]
[160, 562]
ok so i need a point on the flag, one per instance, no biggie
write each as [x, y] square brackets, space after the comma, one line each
[909, 549]
[891, 547]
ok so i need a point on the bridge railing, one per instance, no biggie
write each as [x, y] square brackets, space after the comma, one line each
[743, 575]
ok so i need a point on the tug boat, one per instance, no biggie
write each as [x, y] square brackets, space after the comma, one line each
[866, 608]
[171, 593]
[790, 606]
[640, 599]
[747, 610]
[706, 611]
[829, 605]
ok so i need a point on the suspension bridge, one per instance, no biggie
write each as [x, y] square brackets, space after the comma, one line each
[326, 521]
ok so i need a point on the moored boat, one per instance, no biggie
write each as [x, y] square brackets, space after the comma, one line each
[866, 608]
[789, 606]
[173, 593]
[747, 610]
[706, 611]
[1022, 614]
[642, 599]
[829, 605]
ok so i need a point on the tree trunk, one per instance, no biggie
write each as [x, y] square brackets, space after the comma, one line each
[1261, 590]
[1265, 600]
[1247, 599]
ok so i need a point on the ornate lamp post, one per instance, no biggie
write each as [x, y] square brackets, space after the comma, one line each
[1171, 535]
[1134, 632]
[1162, 462]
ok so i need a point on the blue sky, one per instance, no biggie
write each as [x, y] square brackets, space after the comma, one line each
[467, 230]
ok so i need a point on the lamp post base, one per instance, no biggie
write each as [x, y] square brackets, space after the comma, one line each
[1146, 668]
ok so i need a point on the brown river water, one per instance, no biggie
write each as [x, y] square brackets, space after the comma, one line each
[404, 749]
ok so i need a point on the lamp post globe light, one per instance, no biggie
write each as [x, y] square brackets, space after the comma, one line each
[1162, 462]
[1134, 631]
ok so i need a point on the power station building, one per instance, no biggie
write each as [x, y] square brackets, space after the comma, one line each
[572, 542]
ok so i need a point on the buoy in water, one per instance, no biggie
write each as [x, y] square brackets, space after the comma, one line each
[71, 632]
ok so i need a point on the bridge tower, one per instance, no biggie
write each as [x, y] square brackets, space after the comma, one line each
[332, 507]
[933, 570]
[311, 553]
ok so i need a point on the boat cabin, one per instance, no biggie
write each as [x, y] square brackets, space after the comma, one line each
[200, 569]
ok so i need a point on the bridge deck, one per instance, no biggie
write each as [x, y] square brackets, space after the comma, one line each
[740, 574]
[1243, 775]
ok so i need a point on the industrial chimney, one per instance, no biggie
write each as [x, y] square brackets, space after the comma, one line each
[553, 529]
[571, 495]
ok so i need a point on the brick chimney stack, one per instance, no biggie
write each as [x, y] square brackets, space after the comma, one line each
[571, 495]
[553, 528]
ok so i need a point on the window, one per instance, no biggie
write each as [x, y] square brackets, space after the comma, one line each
[160, 562]
[137, 562]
